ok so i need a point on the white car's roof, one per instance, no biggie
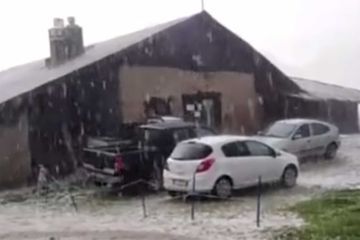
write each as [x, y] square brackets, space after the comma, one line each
[219, 139]
[298, 121]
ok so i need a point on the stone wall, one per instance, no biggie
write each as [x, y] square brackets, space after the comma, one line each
[240, 107]
[15, 164]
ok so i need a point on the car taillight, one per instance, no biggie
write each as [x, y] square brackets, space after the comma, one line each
[205, 165]
[119, 164]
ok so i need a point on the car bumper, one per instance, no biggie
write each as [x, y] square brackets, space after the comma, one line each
[180, 183]
[103, 177]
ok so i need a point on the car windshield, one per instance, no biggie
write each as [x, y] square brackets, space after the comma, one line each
[280, 130]
[191, 151]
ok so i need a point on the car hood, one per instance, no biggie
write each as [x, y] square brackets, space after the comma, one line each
[272, 141]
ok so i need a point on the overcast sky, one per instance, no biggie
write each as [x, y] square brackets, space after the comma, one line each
[318, 39]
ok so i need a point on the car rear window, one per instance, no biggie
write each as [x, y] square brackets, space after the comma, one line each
[191, 151]
[156, 137]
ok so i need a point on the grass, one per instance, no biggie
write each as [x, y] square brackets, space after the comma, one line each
[333, 216]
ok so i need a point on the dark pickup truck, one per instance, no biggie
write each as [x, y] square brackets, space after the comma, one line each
[117, 163]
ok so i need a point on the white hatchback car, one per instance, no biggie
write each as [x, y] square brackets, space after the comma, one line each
[220, 164]
[303, 137]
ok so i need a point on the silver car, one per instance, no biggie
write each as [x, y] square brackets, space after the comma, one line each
[303, 137]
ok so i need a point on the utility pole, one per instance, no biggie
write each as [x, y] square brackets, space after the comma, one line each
[202, 5]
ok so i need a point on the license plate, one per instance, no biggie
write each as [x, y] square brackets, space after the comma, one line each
[180, 183]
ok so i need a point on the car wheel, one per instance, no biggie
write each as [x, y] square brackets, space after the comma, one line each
[156, 178]
[289, 177]
[330, 152]
[223, 188]
[173, 193]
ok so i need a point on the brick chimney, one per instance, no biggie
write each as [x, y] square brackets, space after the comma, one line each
[74, 38]
[58, 48]
[65, 42]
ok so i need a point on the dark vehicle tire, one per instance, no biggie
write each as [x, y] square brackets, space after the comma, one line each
[289, 177]
[156, 177]
[331, 151]
[223, 188]
[173, 193]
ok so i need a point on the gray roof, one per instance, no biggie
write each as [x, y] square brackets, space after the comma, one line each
[319, 90]
[24, 78]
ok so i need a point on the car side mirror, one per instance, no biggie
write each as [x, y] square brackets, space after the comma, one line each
[274, 153]
[297, 136]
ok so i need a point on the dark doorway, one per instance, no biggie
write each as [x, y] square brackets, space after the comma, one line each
[157, 106]
[203, 108]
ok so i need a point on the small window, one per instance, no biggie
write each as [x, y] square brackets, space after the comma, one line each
[191, 151]
[303, 131]
[319, 129]
[258, 149]
[235, 149]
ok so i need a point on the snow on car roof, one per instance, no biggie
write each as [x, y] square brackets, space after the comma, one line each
[24, 78]
[299, 121]
[168, 125]
[214, 140]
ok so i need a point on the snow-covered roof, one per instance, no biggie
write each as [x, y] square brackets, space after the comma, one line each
[320, 90]
[24, 78]
[298, 121]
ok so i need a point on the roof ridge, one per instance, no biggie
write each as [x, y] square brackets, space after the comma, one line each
[176, 20]
[36, 74]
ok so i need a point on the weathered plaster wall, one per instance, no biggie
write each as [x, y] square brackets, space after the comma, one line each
[239, 102]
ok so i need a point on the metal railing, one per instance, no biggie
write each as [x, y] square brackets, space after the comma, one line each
[193, 195]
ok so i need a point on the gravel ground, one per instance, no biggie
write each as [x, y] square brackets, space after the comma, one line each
[122, 218]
